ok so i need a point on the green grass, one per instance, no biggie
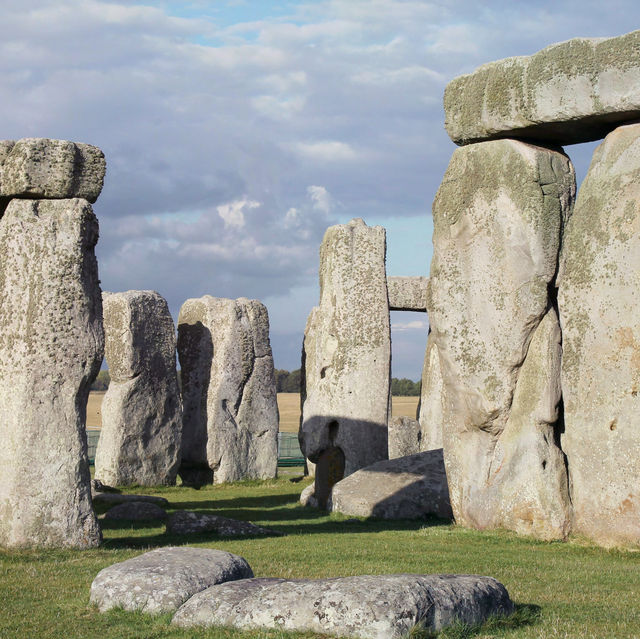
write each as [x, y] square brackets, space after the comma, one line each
[562, 590]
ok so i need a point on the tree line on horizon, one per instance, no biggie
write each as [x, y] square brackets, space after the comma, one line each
[289, 382]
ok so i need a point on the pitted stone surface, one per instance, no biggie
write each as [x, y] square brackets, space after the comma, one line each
[431, 398]
[136, 511]
[141, 411]
[498, 219]
[163, 579]
[366, 607]
[51, 169]
[404, 436]
[598, 302]
[574, 91]
[410, 487]
[51, 347]
[407, 293]
[185, 522]
[347, 350]
[229, 392]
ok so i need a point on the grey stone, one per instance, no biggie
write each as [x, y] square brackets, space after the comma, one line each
[52, 169]
[598, 302]
[407, 293]
[141, 410]
[430, 413]
[404, 436]
[575, 91]
[163, 579]
[51, 347]
[184, 522]
[498, 219]
[119, 498]
[5, 149]
[367, 606]
[308, 497]
[346, 359]
[136, 511]
[229, 392]
[411, 487]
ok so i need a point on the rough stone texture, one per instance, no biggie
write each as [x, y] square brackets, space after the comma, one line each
[368, 607]
[407, 293]
[163, 579]
[51, 169]
[51, 347]
[570, 92]
[141, 411]
[136, 510]
[598, 301]
[116, 498]
[228, 390]
[411, 487]
[308, 497]
[404, 436]
[347, 351]
[431, 396]
[185, 522]
[498, 219]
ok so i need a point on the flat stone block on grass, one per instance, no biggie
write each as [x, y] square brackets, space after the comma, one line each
[163, 579]
[366, 607]
[135, 511]
[186, 522]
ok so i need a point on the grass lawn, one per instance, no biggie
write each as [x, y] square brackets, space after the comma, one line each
[569, 590]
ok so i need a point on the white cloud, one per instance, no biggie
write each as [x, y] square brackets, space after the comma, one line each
[233, 212]
[321, 198]
[413, 325]
[326, 151]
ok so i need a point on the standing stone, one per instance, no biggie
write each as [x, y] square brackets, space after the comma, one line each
[431, 398]
[347, 353]
[51, 347]
[598, 301]
[228, 391]
[141, 411]
[404, 436]
[498, 220]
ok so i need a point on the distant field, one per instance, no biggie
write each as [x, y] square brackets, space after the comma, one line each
[288, 405]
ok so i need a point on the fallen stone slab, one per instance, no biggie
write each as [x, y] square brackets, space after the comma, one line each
[367, 607]
[163, 579]
[186, 522]
[117, 498]
[135, 511]
[51, 169]
[571, 92]
[407, 293]
[410, 487]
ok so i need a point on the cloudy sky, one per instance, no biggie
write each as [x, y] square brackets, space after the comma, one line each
[236, 131]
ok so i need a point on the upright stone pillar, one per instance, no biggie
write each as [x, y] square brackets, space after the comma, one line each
[431, 397]
[498, 220]
[347, 353]
[230, 410]
[598, 302]
[141, 410]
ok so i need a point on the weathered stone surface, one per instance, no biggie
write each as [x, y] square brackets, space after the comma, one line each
[51, 169]
[228, 390]
[498, 219]
[117, 498]
[308, 497]
[135, 511]
[51, 347]
[570, 92]
[431, 398]
[407, 293]
[368, 607]
[5, 149]
[141, 411]
[411, 487]
[598, 302]
[404, 436]
[346, 359]
[163, 579]
[185, 522]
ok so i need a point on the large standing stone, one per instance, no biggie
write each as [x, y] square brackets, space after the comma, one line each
[51, 347]
[431, 398]
[44, 168]
[570, 92]
[366, 606]
[598, 301]
[141, 411]
[404, 436]
[228, 390]
[347, 351]
[498, 220]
